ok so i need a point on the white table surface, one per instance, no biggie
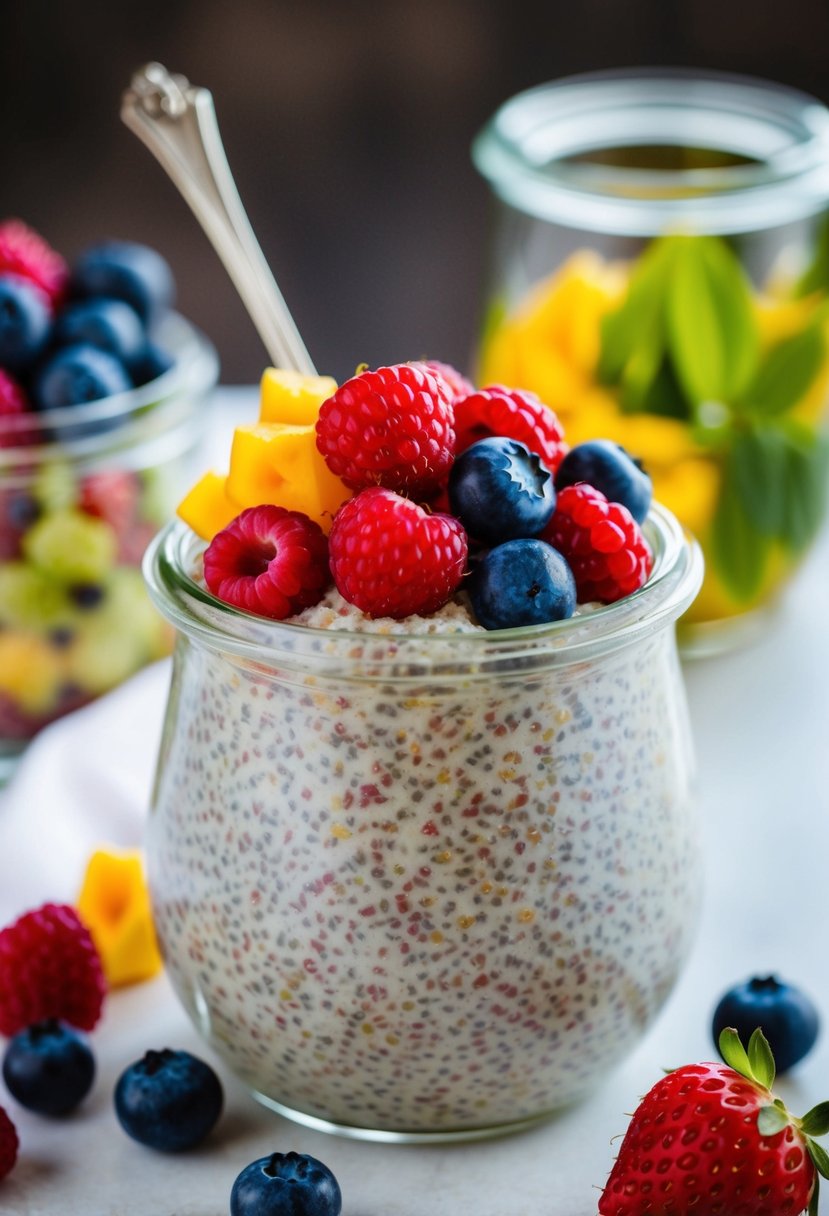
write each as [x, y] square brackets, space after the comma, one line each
[761, 725]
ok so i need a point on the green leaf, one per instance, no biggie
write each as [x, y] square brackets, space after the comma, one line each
[761, 1059]
[711, 328]
[806, 486]
[813, 1202]
[786, 373]
[739, 549]
[757, 467]
[816, 1121]
[771, 1120]
[820, 1157]
[816, 276]
[637, 324]
[733, 1052]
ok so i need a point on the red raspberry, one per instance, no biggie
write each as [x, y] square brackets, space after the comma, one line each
[111, 495]
[392, 558]
[602, 542]
[270, 561]
[391, 427]
[515, 414]
[49, 968]
[23, 251]
[9, 1144]
[13, 404]
[458, 383]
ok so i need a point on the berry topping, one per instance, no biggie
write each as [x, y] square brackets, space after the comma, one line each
[49, 968]
[286, 1184]
[513, 413]
[13, 406]
[522, 582]
[111, 495]
[151, 363]
[168, 1100]
[48, 1068]
[24, 252]
[458, 384]
[269, 561]
[607, 467]
[712, 1140]
[78, 374]
[786, 1016]
[110, 325]
[390, 557]
[124, 270]
[391, 427]
[25, 322]
[9, 1144]
[500, 490]
[602, 543]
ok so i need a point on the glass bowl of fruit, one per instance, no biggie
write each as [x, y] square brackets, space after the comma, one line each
[100, 389]
[660, 278]
[422, 851]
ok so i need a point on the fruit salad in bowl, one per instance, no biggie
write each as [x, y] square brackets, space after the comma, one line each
[422, 849]
[100, 383]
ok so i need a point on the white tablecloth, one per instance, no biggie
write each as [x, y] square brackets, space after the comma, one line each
[761, 723]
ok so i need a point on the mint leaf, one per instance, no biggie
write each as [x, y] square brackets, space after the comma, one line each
[761, 1059]
[786, 373]
[820, 1157]
[637, 323]
[712, 330]
[816, 1121]
[771, 1120]
[806, 486]
[739, 549]
[816, 276]
[758, 468]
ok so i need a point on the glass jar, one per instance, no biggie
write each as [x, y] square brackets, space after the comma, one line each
[659, 277]
[424, 887]
[82, 491]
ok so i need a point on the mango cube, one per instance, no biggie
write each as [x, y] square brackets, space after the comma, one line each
[114, 904]
[207, 507]
[288, 396]
[274, 462]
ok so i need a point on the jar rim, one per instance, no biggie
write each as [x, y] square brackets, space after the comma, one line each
[79, 431]
[526, 151]
[205, 619]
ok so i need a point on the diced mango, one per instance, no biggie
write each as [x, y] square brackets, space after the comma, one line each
[114, 904]
[207, 507]
[288, 396]
[279, 463]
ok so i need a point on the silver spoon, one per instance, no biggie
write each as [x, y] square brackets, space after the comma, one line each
[177, 122]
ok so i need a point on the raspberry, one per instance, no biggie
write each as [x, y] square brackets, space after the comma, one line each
[390, 557]
[110, 495]
[270, 561]
[13, 404]
[602, 542]
[514, 414]
[24, 252]
[458, 383]
[391, 427]
[49, 968]
[9, 1144]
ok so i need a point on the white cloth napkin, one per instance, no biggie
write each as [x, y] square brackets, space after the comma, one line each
[84, 782]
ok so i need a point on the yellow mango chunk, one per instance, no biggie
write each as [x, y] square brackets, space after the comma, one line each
[279, 463]
[207, 508]
[114, 904]
[288, 396]
[31, 671]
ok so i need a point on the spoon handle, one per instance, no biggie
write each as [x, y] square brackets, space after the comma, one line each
[177, 122]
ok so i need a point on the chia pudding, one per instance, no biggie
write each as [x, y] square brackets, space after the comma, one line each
[424, 884]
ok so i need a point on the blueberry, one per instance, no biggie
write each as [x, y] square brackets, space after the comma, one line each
[168, 1100]
[607, 467]
[500, 490]
[110, 325]
[786, 1015]
[48, 1068]
[77, 374]
[286, 1184]
[126, 271]
[25, 322]
[522, 582]
[151, 363]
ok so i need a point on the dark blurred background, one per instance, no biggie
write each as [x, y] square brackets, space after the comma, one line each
[347, 125]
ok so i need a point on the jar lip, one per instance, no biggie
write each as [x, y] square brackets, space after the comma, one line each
[674, 582]
[533, 150]
[77, 430]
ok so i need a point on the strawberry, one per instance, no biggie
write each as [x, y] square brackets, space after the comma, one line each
[712, 1140]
